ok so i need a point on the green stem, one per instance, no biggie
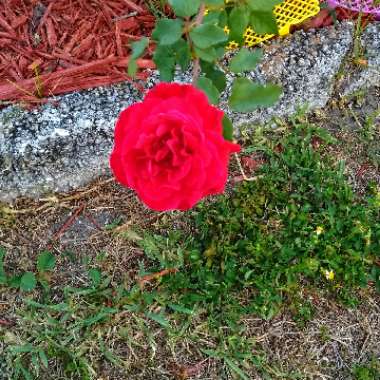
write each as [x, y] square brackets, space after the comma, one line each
[198, 21]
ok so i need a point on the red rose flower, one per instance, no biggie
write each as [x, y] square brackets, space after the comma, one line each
[170, 148]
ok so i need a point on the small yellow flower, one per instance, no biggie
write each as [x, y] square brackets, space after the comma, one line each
[329, 274]
[319, 230]
[226, 29]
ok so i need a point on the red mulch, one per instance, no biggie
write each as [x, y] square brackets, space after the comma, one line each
[50, 47]
[56, 46]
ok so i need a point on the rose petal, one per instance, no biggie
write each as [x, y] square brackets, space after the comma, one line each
[170, 149]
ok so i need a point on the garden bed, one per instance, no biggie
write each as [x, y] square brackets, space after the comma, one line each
[54, 47]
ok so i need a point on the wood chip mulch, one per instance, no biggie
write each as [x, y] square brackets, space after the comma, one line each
[51, 47]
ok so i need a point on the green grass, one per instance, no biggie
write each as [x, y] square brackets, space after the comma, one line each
[282, 233]
[369, 371]
[370, 135]
[262, 249]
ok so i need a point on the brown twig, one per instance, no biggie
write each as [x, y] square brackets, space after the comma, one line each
[69, 222]
[135, 7]
[132, 14]
[93, 221]
[359, 173]
[198, 21]
[249, 179]
[54, 200]
[154, 276]
[79, 194]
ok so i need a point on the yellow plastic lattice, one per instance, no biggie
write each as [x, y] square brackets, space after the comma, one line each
[288, 13]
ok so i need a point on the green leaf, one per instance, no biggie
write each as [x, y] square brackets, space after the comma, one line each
[27, 375]
[214, 3]
[223, 19]
[181, 52]
[228, 130]
[35, 362]
[3, 276]
[60, 307]
[103, 314]
[28, 282]
[22, 349]
[181, 309]
[236, 369]
[185, 8]
[264, 22]
[167, 31]
[263, 5]
[217, 76]
[247, 96]
[166, 58]
[95, 276]
[208, 55]
[159, 318]
[15, 281]
[245, 60]
[45, 261]
[210, 90]
[207, 35]
[238, 21]
[375, 276]
[139, 47]
[165, 62]
[213, 17]
[132, 67]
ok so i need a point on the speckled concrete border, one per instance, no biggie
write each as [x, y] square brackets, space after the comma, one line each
[61, 147]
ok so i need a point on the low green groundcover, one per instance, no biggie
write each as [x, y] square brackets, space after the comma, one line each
[300, 224]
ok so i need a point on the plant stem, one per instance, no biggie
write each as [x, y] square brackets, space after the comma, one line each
[198, 21]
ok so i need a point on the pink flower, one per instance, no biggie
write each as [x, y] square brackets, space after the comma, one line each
[170, 148]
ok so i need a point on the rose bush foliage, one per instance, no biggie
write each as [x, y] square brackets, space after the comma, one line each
[174, 147]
